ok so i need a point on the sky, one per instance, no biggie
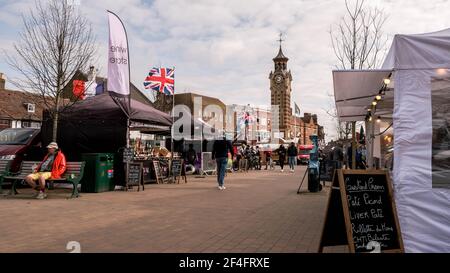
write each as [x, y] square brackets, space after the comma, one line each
[224, 48]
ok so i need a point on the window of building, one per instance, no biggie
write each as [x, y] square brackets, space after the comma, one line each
[26, 124]
[4, 123]
[31, 108]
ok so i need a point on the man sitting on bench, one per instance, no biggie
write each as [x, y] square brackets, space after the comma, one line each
[52, 167]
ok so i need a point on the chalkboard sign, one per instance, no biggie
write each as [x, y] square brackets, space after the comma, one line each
[127, 155]
[135, 175]
[361, 213]
[177, 171]
[158, 172]
[176, 167]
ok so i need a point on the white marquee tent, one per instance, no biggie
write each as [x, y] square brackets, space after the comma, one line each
[424, 211]
[413, 60]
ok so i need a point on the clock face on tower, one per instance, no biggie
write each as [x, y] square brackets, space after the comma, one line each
[278, 79]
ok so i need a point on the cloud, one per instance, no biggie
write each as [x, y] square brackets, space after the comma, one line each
[224, 48]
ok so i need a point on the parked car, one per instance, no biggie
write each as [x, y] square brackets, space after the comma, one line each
[18, 144]
[303, 153]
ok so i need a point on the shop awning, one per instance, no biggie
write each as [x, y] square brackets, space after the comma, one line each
[354, 91]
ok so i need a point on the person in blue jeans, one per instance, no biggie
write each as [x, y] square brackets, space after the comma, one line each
[292, 156]
[221, 148]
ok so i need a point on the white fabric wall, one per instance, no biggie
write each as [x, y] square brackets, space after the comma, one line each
[424, 212]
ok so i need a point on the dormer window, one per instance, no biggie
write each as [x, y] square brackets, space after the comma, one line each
[31, 107]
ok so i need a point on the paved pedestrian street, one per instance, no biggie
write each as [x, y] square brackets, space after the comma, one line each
[259, 211]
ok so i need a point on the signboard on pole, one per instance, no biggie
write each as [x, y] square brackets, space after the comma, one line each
[118, 57]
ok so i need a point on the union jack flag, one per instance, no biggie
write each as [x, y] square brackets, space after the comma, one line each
[161, 80]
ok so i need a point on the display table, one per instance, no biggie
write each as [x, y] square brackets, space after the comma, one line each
[163, 167]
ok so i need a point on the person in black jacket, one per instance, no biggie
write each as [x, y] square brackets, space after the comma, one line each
[221, 147]
[282, 156]
[292, 156]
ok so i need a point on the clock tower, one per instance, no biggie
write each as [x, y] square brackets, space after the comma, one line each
[280, 89]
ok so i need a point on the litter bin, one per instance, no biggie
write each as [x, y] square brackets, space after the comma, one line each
[98, 172]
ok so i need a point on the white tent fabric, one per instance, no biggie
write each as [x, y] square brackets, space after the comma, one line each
[354, 91]
[424, 212]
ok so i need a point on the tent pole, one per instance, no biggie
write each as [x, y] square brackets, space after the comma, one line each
[373, 142]
[369, 159]
[354, 145]
[173, 120]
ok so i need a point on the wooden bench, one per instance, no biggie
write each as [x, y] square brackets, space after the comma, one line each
[4, 171]
[74, 173]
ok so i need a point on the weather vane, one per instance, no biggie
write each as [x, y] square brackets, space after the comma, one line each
[280, 40]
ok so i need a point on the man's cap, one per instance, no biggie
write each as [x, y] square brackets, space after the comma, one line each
[52, 145]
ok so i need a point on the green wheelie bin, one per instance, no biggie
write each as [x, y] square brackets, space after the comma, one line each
[98, 172]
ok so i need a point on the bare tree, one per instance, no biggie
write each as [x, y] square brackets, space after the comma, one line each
[358, 43]
[56, 42]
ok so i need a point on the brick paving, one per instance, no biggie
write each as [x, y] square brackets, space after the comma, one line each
[259, 212]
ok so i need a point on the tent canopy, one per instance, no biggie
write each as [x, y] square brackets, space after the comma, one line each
[354, 91]
[419, 51]
[104, 107]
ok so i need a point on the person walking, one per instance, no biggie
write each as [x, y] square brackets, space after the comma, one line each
[338, 157]
[235, 158]
[349, 157]
[258, 154]
[191, 155]
[221, 148]
[243, 162]
[282, 156]
[269, 163]
[292, 156]
[247, 156]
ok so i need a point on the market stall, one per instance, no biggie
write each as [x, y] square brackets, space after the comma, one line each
[412, 90]
[98, 125]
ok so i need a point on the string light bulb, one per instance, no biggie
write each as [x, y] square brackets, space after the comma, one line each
[374, 103]
[387, 81]
[378, 97]
[379, 119]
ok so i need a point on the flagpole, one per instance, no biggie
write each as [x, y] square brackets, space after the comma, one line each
[295, 126]
[173, 120]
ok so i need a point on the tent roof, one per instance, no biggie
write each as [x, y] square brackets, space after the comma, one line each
[104, 107]
[354, 91]
[419, 51]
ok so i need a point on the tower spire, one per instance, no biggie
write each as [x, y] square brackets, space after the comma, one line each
[280, 56]
[280, 40]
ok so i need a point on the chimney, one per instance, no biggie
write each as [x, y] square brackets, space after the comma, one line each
[307, 116]
[2, 81]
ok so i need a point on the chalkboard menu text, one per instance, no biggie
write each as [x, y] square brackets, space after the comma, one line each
[135, 175]
[365, 201]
